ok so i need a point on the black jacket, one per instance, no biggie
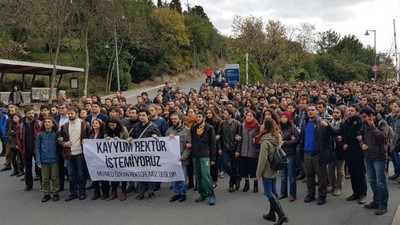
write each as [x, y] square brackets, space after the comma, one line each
[228, 132]
[203, 146]
[323, 142]
[148, 130]
[289, 146]
[349, 131]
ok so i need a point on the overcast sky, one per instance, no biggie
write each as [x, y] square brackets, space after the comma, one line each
[343, 16]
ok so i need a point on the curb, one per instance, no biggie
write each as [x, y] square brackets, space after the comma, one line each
[396, 219]
[132, 93]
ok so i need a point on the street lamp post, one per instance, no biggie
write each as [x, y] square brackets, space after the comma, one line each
[116, 55]
[366, 34]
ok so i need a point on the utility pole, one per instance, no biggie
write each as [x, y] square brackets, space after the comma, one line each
[247, 68]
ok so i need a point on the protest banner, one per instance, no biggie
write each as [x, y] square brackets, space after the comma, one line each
[145, 159]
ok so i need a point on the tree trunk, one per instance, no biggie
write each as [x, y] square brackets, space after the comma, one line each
[53, 74]
[87, 64]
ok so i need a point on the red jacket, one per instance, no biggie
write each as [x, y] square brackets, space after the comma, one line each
[209, 72]
[20, 134]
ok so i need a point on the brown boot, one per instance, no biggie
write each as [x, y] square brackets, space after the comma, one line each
[113, 196]
[123, 197]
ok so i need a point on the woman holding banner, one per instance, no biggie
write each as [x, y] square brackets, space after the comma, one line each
[115, 129]
[98, 133]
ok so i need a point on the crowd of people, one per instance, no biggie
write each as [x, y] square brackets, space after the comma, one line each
[328, 131]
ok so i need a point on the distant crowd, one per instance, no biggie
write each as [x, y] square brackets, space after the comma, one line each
[328, 131]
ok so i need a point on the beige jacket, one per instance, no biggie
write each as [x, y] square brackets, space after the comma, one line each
[267, 148]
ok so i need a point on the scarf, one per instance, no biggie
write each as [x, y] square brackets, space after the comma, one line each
[189, 121]
[250, 125]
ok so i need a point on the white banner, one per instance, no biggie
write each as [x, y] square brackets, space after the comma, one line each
[145, 159]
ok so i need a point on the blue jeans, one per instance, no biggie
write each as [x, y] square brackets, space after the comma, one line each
[377, 179]
[269, 185]
[230, 163]
[76, 174]
[289, 173]
[180, 186]
[396, 162]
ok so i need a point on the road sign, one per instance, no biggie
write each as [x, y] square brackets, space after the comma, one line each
[375, 68]
[232, 74]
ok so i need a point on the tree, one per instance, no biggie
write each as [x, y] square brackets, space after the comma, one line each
[254, 72]
[176, 5]
[306, 36]
[327, 40]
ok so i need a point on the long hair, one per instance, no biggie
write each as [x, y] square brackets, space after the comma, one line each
[101, 129]
[215, 120]
[55, 127]
[275, 116]
[117, 121]
[270, 126]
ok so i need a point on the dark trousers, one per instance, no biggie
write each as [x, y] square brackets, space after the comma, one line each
[358, 180]
[105, 187]
[312, 168]
[3, 145]
[231, 164]
[190, 172]
[76, 174]
[62, 170]
[114, 186]
[27, 158]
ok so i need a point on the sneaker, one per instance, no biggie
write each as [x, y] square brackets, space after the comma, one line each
[5, 169]
[174, 198]
[95, 197]
[20, 174]
[212, 201]
[200, 199]
[71, 197]
[309, 198]
[371, 205]
[362, 199]
[27, 189]
[337, 192]
[281, 197]
[82, 197]
[46, 198]
[393, 177]
[14, 173]
[380, 212]
[36, 178]
[304, 180]
[183, 198]
[321, 200]
[221, 175]
[56, 197]
[215, 187]
[329, 189]
[139, 197]
[353, 197]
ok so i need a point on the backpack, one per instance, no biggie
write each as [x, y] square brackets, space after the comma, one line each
[278, 160]
[391, 138]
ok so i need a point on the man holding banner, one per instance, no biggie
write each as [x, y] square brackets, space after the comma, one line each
[179, 129]
[203, 154]
[145, 129]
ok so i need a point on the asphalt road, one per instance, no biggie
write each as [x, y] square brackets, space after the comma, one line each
[238, 208]
[232, 208]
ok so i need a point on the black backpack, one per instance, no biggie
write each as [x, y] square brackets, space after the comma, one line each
[278, 160]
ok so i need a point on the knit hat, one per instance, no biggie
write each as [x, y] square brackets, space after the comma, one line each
[288, 115]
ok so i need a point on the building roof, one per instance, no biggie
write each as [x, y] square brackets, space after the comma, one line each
[22, 67]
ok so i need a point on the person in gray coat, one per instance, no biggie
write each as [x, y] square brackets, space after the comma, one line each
[15, 97]
[185, 139]
[249, 151]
